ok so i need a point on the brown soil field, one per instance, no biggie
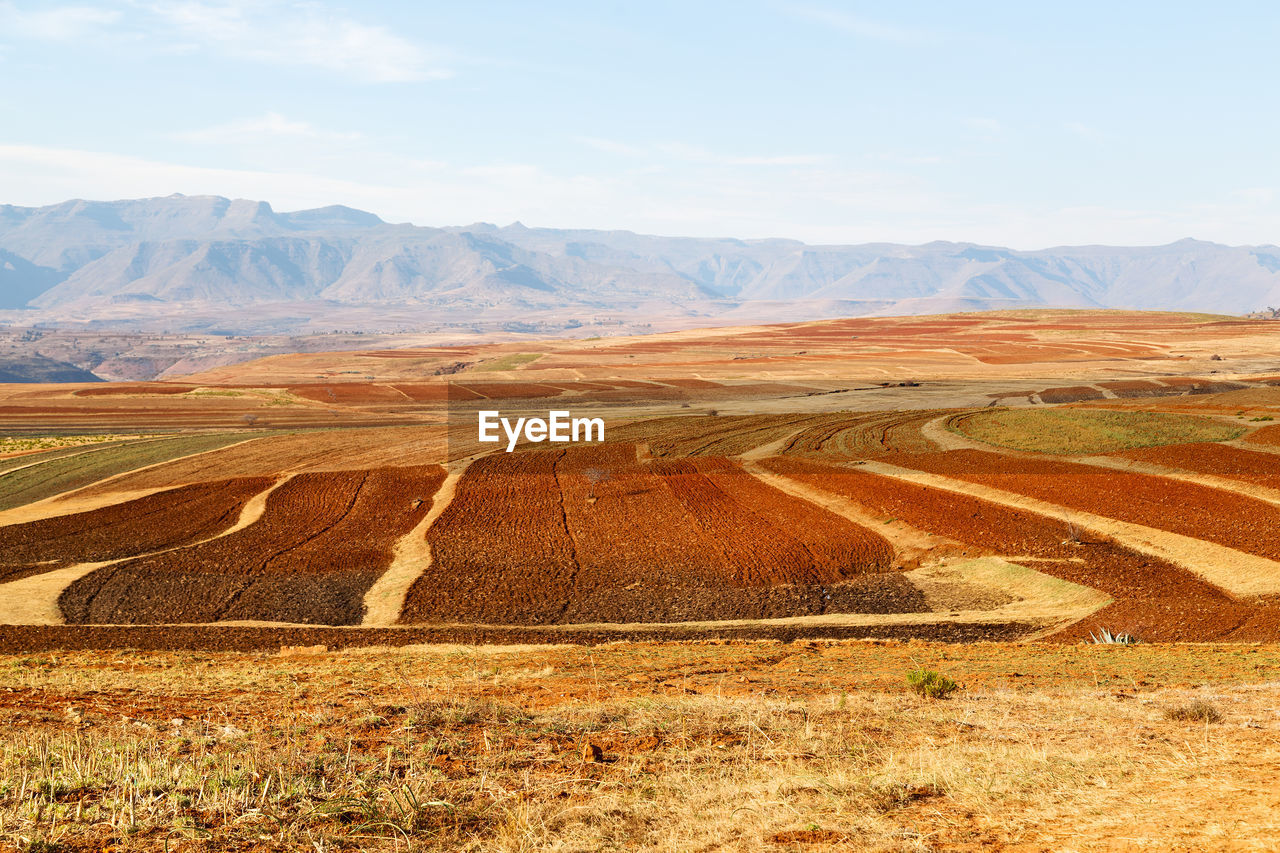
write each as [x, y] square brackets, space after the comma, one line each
[1073, 394]
[855, 436]
[524, 542]
[1156, 600]
[168, 519]
[324, 539]
[1192, 510]
[1220, 460]
[1138, 388]
[116, 389]
[699, 435]
[342, 393]
[1268, 435]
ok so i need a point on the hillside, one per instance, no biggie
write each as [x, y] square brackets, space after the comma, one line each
[189, 263]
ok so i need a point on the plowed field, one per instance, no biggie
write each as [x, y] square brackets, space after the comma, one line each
[525, 542]
[324, 539]
[165, 520]
[1192, 510]
[1220, 460]
[860, 435]
[1156, 600]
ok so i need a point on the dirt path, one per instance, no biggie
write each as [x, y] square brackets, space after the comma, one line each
[34, 600]
[1238, 573]
[766, 450]
[385, 599]
[911, 546]
[936, 431]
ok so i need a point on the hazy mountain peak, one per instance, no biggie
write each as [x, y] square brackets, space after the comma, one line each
[172, 257]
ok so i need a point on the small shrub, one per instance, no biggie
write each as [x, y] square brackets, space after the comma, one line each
[932, 684]
[1198, 711]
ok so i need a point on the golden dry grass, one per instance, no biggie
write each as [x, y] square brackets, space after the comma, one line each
[759, 746]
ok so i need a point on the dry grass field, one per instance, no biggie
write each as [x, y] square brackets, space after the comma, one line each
[717, 607]
[668, 747]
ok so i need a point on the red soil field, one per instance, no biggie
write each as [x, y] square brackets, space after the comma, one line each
[1220, 460]
[164, 520]
[130, 388]
[1269, 435]
[339, 393]
[323, 541]
[511, 390]
[1192, 510]
[524, 543]
[435, 392]
[1156, 600]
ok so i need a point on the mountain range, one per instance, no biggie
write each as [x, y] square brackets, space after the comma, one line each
[206, 262]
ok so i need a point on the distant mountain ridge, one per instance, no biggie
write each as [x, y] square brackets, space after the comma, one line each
[198, 261]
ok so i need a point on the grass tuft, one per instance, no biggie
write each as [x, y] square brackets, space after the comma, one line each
[1197, 711]
[931, 684]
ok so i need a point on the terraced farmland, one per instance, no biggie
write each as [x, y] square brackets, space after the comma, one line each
[1192, 510]
[537, 537]
[1155, 599]
[322, 542]
[168, 519]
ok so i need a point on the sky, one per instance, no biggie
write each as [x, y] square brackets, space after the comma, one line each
[1017, 124]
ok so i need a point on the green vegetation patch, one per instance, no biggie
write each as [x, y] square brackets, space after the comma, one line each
[52, 447]
[510, 361]
[1085, 431]
[68, 472]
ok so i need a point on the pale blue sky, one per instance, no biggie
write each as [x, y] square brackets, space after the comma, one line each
[1023, 124]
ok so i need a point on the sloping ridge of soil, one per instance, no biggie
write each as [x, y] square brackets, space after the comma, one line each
[35, 600]
[323, 540]
[1236, 572]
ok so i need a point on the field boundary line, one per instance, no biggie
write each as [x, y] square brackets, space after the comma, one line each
[1238, 573]
[384, 601]
[34, 600]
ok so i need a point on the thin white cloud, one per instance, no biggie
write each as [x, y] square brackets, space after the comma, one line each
[260, 128]
[56, 23]
[301, 34]
[1087, 132]
[861, 27]
[680, 151]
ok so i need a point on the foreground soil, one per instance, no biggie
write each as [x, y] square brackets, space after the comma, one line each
[758, 746]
